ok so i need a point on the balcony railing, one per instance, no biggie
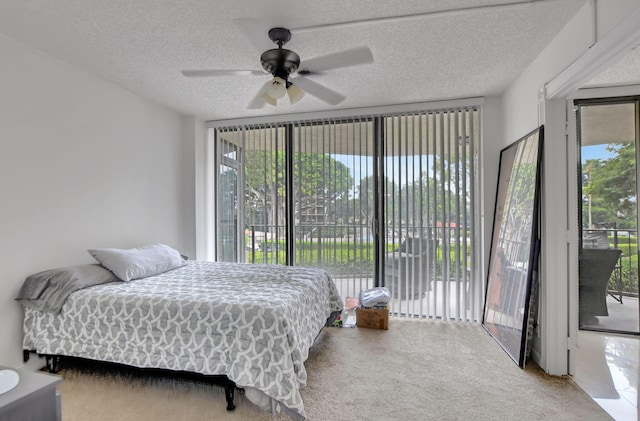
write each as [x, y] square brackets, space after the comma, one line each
[439, 282]
[342, 248]
[349, 248]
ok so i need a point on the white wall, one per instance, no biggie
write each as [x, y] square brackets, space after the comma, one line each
[492, 138]
[82, 164]
[525, 108]
[610, 15]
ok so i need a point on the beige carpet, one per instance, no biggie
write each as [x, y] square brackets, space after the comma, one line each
[417, 370]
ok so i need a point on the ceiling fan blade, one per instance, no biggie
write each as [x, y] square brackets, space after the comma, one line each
[220, 72]
[256, 32]
[319, 91]
[354, 57]
[258, 101]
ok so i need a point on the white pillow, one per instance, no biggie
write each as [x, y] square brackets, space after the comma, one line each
[138, 262]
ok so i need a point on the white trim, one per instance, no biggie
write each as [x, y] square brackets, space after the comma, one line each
[409, 18]
[201, 187]
[605, 92]
[483, 252]
[210, 215]
[593, 5]
[350, 112]
[572, 234]
[612, 47]
[553, 258]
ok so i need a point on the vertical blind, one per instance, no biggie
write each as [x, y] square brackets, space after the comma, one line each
[430, 163]
[375, 200]
[333, 200]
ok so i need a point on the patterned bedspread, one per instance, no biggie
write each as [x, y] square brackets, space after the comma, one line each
[253, 323]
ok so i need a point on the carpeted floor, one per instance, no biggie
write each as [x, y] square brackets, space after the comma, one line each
[417, 370]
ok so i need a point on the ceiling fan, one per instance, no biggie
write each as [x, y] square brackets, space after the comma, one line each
[282, 63]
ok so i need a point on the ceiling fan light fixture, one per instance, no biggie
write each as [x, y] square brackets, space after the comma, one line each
[295, 94]
[277, 88]
[282, 64]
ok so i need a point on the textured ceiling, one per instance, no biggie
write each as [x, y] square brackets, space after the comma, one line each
[625, 71]
[432, 50]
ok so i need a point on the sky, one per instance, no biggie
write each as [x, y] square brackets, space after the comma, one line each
[595, 152]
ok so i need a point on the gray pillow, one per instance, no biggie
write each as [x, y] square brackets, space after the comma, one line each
[47, 291]
[136, 263]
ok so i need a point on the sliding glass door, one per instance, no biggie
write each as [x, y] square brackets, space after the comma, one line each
[376, 201]
[334, 214]
[251, 195]
[429, 189]
[608, 275]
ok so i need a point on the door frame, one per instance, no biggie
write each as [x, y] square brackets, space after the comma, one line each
[559, 318]
[572, 188]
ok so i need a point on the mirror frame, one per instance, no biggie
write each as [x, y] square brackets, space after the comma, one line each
[515, 247]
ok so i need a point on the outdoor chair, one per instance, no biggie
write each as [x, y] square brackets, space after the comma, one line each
[599, 239]
[595, 269]
[406, 269]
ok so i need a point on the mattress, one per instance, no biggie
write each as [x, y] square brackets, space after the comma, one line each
[252, 323]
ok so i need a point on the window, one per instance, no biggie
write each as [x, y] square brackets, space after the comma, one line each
[384, 200]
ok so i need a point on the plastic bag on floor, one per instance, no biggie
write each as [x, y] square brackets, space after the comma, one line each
[375, 297]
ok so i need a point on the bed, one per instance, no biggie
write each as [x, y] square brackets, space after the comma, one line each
[253, 324]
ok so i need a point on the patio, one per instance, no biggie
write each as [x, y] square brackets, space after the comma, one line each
[623, 317]
[622, 298]
[442, 302]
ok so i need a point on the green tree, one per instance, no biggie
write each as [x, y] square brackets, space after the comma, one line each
[610, 186]
[321, 182]
[451, 178]
[365, 195]
[264, 188]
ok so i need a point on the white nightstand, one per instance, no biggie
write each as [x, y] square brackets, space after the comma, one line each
[33, 399]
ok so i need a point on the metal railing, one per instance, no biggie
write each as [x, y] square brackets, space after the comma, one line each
[437, 281]
[319, 244]
[315, 244]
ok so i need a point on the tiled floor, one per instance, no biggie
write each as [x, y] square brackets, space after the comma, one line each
[623, 316]
[607, 369]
